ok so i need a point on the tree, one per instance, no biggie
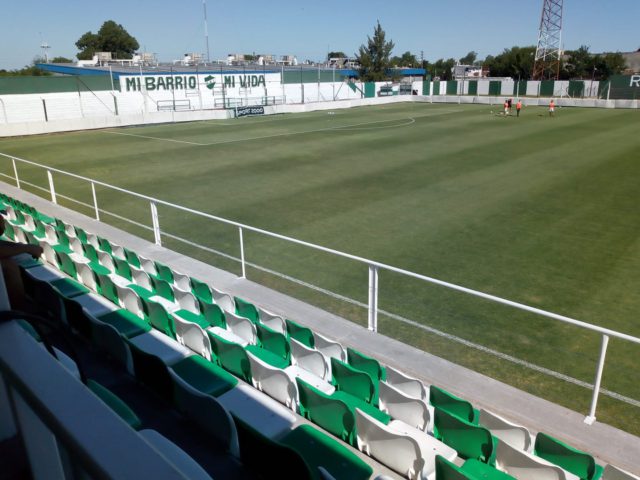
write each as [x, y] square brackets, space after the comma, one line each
[374, 57]
[61, 60]
[469, 58]
[331, 55]
[111, 37]
[514, 62]
[441, 68]
[406, 60]
[583, 65]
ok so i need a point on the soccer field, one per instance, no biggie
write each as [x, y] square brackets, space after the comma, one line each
[538, 210]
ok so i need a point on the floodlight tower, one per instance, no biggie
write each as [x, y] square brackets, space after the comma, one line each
[547, 61]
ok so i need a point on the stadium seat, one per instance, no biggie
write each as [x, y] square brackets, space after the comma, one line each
[273, 381]
[569, 458]
[232, 357]
[324, 456]
[525, 466]
[115, 403]
[448, 402]
[515, 435]
[352, 381]
[212, 313]
[400, 406]
[410, 386]
[469, 440]
[201, 290]
[246, 309]
[204, 376]
[332, 414]
[192, 336]
[412, 455]
[224, 300]
[238, 330]
[309, 359]
[329, 348]
[302, 334]
[159, 318]
[273, 321]
[275, 342]
[470, 470]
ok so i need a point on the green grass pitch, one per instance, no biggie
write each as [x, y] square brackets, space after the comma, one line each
[538, 210]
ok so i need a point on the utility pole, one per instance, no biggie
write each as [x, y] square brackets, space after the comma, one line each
[547, 60]
[206, 29]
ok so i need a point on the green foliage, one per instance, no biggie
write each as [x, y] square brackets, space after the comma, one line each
[111, 37]
[27, 71]
[331, 55]
[61, 60]
[406, 60]
[469, 59]
[515, 62]
[374, 57]
[581, 64]
[440, 69]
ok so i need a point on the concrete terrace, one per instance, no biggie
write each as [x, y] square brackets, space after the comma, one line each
[607, 444]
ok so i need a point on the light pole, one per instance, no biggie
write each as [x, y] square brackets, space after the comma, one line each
[593, 74]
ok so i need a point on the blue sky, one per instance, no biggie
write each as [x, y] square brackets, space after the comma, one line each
[309, 29]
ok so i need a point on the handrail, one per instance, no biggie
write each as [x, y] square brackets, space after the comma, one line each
[372, 263]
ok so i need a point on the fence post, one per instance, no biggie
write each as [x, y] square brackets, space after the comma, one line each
[244, 271]
[156, 223]
[51, 187]
[373, 298]
[15, 172]
[95, 200]
[596, 386]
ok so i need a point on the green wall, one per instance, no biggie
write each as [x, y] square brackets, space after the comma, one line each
[495, 87]
[25, 85]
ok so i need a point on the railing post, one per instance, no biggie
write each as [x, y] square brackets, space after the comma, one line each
[15, 172]
[373, 298]
[156, 223]
[244, 271]
[51, 187]
[596, 385]
[95, 200]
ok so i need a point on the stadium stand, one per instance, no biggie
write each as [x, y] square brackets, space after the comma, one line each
[271, 391]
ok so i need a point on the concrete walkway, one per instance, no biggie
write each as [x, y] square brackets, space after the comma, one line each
[607, 444]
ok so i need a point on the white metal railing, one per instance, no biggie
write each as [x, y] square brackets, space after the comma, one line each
[372, 265]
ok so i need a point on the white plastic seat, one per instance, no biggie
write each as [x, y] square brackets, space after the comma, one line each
[411, 386]
[400, 406]
[130, 300]
[168, 305]
[186, 300]
[309, 359]
[49, 254]
[175, 455]
[181, 281]
[223, 300]
[615, 473]
[525, 466]
[92, 239]
[87, 277]
[239, 330]
[141, 278]
[329, 348]
[192, 336]
[273, 321]
[410, 455]
[106, 260]
[515, 435]
[274, 382]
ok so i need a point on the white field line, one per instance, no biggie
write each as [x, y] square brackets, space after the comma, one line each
[286, 134]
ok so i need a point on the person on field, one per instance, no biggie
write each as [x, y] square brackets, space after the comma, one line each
[509, 103]
[10, 269]
[506, 108]
[518, 107]
[552, 108]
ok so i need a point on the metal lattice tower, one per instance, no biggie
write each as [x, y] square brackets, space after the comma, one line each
[547, 61]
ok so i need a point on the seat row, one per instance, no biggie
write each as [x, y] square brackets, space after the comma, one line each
[390, 416]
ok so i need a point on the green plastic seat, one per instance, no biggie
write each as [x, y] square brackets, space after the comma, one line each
[571, 459]
[107, 288]
[319, 450]
[247, 310]
[162, 288]
[123, 268]
[477, 469]
[444, 400]
[353, 381]
[212, 313]
[132, 257]
[274, 342]
[204, 375]
[163, 272]
[201, 290]
[115, 403]
[446, 470]
[231, 356]
[332, 414]
[126, 323]
[469, 440]
[367, 408]
[268, 357]
[302, 334]
[366, 364]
